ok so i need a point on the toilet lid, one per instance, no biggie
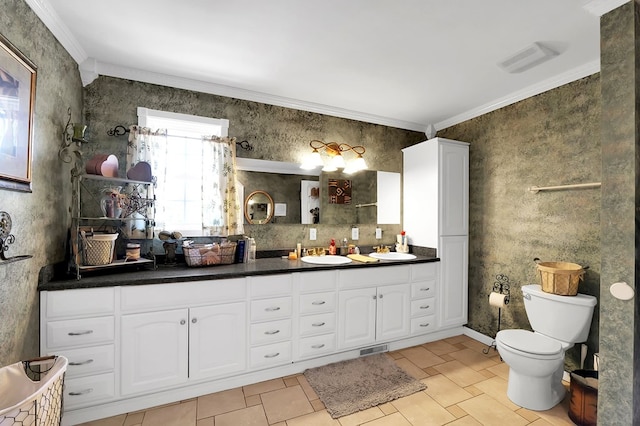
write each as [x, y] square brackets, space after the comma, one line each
[530, 342]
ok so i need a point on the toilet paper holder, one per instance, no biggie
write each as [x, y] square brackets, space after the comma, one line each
[502, 287]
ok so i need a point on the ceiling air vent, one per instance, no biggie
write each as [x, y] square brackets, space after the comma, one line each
[527, 58]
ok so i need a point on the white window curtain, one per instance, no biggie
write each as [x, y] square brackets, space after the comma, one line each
[221, 204]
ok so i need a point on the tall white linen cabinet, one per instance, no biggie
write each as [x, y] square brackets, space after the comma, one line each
[436, 214]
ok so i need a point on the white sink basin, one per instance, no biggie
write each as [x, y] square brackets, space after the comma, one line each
[392, 255]
[326, 260]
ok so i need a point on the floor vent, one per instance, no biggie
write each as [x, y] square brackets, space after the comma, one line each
[374, 350]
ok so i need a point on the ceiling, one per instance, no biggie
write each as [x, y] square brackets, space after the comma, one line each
[414, 64]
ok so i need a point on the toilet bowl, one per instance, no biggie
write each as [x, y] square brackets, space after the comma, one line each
[536, 365]
[536, 358]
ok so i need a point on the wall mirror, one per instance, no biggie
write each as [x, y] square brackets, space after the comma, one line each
[375, 196]
[258, 208]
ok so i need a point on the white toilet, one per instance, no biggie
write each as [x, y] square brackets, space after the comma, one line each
[536, 358]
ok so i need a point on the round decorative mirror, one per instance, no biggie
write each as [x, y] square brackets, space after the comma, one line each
[258, 208]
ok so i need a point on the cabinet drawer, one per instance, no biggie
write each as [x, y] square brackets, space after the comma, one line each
[422, 307]
[159, 296]
[424, 271]
[91, 360]
[83, 391]
[80, 332]
[270, 332]
[80, 302]
[270, 309]
[271, 285]
[317, 281]
[423, 289]
[317, 345]
[371, 277]
[423, 324]
[317, 302]
[318, 323]
[266, 356]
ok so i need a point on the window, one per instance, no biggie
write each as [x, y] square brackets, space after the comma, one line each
[182, 159]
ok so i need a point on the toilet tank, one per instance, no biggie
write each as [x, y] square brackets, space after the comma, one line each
[564, 318]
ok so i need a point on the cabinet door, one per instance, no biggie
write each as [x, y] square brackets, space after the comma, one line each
[420, 193]
[454, 261]
[454, 189]
[217, 340]
[394, 312]
[154, 352]
[357, 318]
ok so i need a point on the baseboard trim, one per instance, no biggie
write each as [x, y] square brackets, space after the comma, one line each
[475, 335]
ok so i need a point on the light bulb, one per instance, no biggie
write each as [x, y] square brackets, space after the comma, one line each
[312, 161]
[338, 162]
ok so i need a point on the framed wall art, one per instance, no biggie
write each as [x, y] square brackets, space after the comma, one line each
[17, 99]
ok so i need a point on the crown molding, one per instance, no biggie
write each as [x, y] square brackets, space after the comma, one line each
[602, 7]
[90, 69]
[52, 21]
[248, 95]
[541, 87]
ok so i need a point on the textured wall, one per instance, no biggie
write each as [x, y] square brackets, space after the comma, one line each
[40, 219]
[620, 51]
[549, 139]
[276, 133]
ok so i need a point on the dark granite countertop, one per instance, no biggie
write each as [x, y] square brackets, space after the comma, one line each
[183, 273]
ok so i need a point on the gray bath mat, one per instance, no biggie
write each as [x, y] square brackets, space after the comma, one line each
[354, 385]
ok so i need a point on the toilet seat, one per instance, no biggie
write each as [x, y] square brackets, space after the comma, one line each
[530, 343]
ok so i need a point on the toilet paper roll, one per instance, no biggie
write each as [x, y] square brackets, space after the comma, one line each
[497, 300]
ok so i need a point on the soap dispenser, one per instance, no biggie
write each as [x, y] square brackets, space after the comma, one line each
[344, 248]
[332, 247]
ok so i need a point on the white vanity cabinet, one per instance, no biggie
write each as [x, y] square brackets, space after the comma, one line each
[373, 306]
[317, 314]
[424, 298]
[80, 325]
[436, 214]
[271, 322]
[131, 347]
[203, 338]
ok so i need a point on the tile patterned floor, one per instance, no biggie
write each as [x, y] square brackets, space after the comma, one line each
[465, 387]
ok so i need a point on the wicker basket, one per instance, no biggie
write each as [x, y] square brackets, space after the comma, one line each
[209, 254]
[560, 278]
[98, 249]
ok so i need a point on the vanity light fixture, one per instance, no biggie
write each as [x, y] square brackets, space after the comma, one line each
[336, 160]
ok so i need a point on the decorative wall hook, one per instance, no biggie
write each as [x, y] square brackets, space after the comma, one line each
[7, 238]
[72, 138]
